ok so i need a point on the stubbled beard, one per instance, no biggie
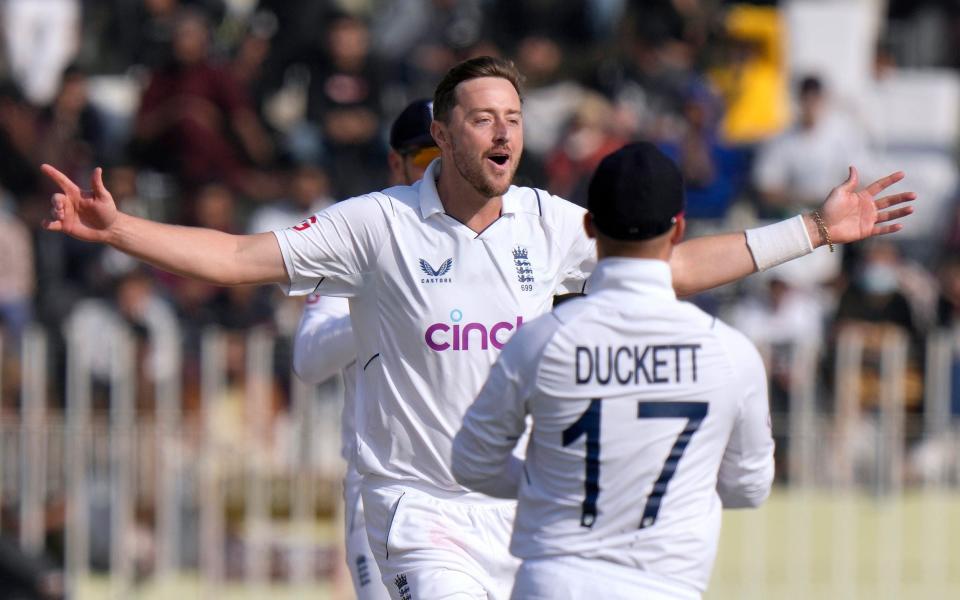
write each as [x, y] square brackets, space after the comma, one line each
[472, 172]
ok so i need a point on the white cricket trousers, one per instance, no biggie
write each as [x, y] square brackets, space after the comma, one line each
[576, 578]
[439, 545]
[367, 583]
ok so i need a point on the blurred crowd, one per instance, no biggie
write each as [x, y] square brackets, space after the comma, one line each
[248, 115]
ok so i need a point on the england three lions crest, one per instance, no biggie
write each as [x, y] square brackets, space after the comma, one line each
[521, 260]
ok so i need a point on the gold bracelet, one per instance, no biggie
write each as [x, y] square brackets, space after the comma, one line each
[822, 229]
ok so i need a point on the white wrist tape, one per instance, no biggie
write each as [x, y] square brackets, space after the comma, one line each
[774, 244]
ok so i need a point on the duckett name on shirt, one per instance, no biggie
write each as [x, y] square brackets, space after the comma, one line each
[457, 335]
[656, 364]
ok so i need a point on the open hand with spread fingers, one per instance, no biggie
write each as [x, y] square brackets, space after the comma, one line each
[85, 215]
[850, 214]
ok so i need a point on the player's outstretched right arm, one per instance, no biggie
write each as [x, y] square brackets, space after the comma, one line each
[204, 254]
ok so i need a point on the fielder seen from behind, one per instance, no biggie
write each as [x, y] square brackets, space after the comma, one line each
[649, 415]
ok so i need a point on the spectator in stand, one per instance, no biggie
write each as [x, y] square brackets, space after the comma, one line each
[192, 110]
[650, 80]
[71, 130]
[17, 277]
[948, 317]
[713, 172]
[344, 100]
[568, 23]
[874, 295]
[781, 320]
[41, 39]
[549, 101]
[875, 303]
[948, 304]
[18, 142]
[422, 39]
[134, 304]
[250, 60]
[590, 136]
[791, 170]
[752, 76]
[308, 193]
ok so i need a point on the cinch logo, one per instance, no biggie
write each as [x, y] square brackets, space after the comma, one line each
[457, 336]
[436, 275]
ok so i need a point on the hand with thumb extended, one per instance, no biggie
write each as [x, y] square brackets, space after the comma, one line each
[85, 215]
[851, 214]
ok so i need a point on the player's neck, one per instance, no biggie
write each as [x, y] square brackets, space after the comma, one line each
[465, 204]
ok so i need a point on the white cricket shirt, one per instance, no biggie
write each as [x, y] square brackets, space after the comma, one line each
[648, 416]
[431, 303]
[323, 347]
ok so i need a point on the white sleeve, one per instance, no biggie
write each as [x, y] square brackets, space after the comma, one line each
[483, 457]
[324, 343]
[337, 247]
[746, 471]
[566, 218]
[482, 449]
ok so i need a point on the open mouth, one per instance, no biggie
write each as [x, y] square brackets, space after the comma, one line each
[500, 159]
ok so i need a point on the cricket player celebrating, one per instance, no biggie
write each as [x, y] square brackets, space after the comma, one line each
[324, 345]
[648, 414]
[439, 275]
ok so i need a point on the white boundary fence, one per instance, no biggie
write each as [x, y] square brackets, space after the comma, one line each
[180, 468]
[177, 468]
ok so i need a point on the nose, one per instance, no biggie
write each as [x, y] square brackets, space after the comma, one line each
[501, 132]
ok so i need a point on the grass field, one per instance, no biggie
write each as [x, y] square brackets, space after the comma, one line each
[797, 546]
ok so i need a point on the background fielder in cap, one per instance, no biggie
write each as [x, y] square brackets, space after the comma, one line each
[324, 345]
[648, 414]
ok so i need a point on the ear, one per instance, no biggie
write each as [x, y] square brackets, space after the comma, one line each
[395, 162]
[588, 226]
[679, 229]
[439, 132]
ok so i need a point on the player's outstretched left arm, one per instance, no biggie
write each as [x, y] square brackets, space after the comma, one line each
[849, 214]
[204, 254]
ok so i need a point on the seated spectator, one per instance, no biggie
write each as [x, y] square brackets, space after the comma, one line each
[548, 103]
[713, 172]
[752, 78]
[17, 277]
[134, 304]
[948, 317]
[191, 112]
[71, 129]
[590, 136]
[344, 100]
[792, 171]
[948, 304]
[19, 174]
[308, 193]
[41, 39]
[875, 303]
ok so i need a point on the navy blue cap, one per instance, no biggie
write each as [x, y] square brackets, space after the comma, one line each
[411, 130]
[636, 193]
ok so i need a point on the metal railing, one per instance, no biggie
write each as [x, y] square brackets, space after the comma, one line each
[224, 511]
[171, 473]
